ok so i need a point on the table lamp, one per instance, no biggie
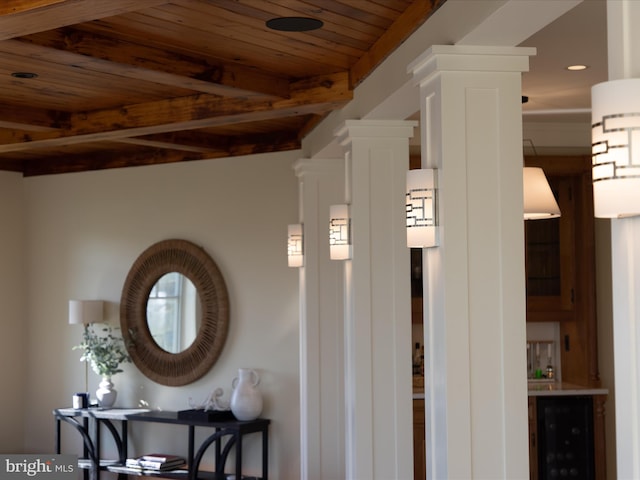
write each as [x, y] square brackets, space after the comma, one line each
[85, 312]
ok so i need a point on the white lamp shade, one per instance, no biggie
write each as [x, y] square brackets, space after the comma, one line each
[422, 208]
[295, 252]
[615, 148]
[339, 232]
[539, 201]
[85, 311]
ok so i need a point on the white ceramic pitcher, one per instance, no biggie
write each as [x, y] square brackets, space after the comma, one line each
[246, 399]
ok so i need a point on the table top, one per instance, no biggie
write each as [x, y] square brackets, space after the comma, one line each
[159, 416]
[99, 412]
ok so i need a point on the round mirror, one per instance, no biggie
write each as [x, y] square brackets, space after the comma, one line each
[174, 312]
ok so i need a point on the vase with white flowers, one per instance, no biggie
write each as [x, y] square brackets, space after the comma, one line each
[105, 352]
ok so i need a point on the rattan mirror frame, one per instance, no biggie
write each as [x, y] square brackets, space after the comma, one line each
[174, 369]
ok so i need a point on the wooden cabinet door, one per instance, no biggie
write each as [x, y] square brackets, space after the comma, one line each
[550, 258]
[419, 443]
[533, 441]
[572, 300]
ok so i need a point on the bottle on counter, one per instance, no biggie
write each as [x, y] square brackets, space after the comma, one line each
[416, 359]
[550, 373]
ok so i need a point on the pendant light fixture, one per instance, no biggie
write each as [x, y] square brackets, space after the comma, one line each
[539, 202]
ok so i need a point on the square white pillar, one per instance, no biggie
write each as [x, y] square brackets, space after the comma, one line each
[474, 283]
[321, 184]
[378, 308]
[624, 62]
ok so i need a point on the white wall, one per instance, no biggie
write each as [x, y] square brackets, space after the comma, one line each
[12, 320]
[84, 232]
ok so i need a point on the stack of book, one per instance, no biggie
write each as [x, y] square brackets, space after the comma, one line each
[156, 461]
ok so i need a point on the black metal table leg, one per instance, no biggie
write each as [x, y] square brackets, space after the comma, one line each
[238, 436]
[265, 455]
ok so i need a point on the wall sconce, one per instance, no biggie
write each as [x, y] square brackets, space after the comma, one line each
[422, 208]
[339, 232]
[615, 148]
[295, 245]
[539, 201]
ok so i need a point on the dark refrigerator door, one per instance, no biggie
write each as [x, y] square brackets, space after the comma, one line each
[565, 438]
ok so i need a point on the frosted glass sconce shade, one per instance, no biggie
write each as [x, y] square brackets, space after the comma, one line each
[615, 148]
[339, 232]
[295, 252]
[539, 201]
[85, 311]
[422, 208]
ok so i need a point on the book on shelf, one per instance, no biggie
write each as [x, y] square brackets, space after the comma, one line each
[135, 472]
[161, 457]
[155, 462]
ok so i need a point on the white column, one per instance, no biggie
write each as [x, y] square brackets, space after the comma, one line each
[379, 431]
[321, 184]
[474, 282]
[624, 62]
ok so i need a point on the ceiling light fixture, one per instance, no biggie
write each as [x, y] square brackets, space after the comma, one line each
[294, 24]
[577, 67]
[24, 75]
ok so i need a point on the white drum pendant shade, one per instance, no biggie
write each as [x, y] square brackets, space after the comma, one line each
[615, 148]
[538, 198]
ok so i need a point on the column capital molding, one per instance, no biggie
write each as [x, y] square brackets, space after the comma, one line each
[351, 129]
[469, 58]
[317, 166]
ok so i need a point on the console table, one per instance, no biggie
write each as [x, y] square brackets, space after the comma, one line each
[226, 435]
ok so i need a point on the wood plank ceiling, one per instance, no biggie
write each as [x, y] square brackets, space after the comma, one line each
[123, 83]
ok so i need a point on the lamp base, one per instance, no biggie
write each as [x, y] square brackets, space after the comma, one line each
[106, 394]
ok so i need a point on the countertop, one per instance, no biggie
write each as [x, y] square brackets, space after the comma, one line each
[562, 388]
[536, 389]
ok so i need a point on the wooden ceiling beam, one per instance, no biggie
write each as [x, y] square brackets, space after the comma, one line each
[32, 16]
[265, 143]
[311, 96]
[10, 7]
[26, 127]
[11, 165]
[105, 160]
[32, 119]
[230, 145]
[407, 23]
[244, 145]
[93, 52]
[187, 141]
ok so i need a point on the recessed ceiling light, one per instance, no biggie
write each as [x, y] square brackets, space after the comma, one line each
[576, 68]
[294, 24]
[24, 75]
